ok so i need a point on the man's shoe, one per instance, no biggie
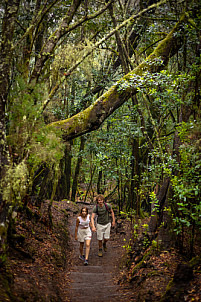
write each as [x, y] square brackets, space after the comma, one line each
[105, 247]
[86, 262]
[100, 253]
[81, 257]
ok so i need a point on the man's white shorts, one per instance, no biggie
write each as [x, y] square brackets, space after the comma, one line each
[103, 231]
[84, 234]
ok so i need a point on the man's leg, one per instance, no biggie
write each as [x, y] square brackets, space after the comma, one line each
[100, 243]
[106, 236]
[100, 239]
[100, 248]
[104, 244]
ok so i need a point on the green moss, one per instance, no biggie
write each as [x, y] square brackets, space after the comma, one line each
[29, 213]
[195, 261]
[142, 262]
[6, 281]
[154, 273]
[166, 294]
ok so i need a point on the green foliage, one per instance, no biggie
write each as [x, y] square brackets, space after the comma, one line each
[45, 146]
[128, 246]
[3, 259]
[130, 215]
[15, 184]
[154, 200]
[31, 142]
[150, 122]
[187, 183]
[68, 55]
[24, 115]
[27, 133]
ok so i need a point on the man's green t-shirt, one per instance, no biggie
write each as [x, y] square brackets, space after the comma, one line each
[103, 214]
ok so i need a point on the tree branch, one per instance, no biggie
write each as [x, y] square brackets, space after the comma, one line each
[35, 21]
[96, 45]
[63, 29]
[91, 118]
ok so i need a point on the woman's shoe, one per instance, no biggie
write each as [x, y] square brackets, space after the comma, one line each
[81, 257]
[86, 262]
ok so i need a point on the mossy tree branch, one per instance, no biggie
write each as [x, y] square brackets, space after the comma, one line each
[61, 31]
[91, 118]
[96, 45]
[37, 19]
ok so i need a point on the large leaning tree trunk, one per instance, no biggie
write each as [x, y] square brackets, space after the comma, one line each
[10, 13]
[91, 118]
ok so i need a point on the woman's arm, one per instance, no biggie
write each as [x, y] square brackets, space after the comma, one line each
[76, 228]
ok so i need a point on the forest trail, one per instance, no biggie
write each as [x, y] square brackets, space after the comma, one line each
[96, 282]
[46, 266]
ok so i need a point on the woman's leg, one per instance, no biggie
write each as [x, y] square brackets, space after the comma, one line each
[87, 244]
[81, 248]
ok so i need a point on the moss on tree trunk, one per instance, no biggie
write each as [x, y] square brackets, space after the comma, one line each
[91, 118]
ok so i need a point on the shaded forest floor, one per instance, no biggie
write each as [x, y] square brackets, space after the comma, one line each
[41, 262]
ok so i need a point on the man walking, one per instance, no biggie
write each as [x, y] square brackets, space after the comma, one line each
[102, 210]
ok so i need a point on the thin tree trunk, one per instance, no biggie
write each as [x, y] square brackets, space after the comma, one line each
[99, 182]
[54, 187]
[120, 46]
[156, 220]
[67, 171]
[8, 26]
[77, 168]
[132, 184]
[192, 239]
[92, 175]
[63, 188]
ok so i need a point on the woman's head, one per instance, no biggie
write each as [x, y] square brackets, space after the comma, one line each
[84, 211]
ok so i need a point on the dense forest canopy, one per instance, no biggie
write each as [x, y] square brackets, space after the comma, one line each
[130, 70]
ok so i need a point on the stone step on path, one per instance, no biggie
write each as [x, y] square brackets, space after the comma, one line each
[94, 286]
[95, 282]
[98, 298]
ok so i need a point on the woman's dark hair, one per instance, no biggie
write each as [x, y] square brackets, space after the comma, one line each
[84, 208]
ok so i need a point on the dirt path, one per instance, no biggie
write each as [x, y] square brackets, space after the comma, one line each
[45, 268]
[96, 282]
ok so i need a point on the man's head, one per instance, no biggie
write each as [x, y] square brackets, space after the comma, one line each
[100, 199]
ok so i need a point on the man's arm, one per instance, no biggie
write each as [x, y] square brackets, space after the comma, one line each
[113, 217]
[92, 222]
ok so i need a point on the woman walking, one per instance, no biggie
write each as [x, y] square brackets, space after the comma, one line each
[83, 233]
